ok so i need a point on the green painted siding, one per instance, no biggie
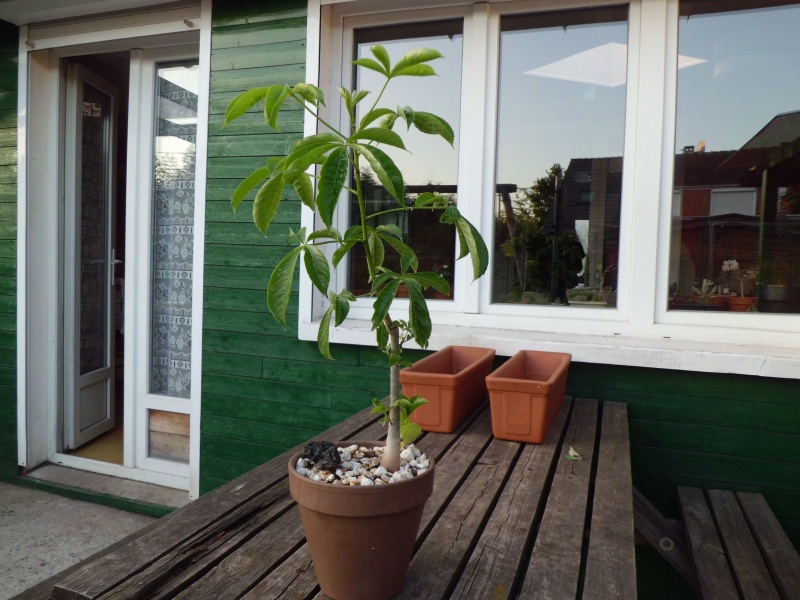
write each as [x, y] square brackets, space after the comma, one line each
[263, 390]
[8, 249]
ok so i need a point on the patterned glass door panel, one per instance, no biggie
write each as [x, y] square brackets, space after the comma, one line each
[94, 232]
[173, 227]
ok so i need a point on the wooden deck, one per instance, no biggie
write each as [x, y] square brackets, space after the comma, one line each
[506, 520]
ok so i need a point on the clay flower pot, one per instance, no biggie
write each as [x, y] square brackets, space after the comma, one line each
[361, 538]
[741, 303]
[526, 394]
[452, 380]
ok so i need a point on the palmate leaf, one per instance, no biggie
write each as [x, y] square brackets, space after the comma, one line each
[373, 115]
[248, 184]
[383, 303]
[268, 198]
[243, 102]
[387, 172]
[409, 432]
[380, 135]
[418, 316]
[341, 252]
[433, 125]
[411, 59]
[279, 289]
[331, 181]
[408, 258]
[300, 160]
[310, 93]
[274, 99]
[376, 248]
[372, 65]
[469, 237]
[317, 267]
[324, 333]
[382, 55]
[429, 279]
[305, 190]
[342, 305]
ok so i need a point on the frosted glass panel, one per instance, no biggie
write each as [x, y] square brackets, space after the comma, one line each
[94, 207]
[173, 228]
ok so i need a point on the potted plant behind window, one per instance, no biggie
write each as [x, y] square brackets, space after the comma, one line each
[388, 514]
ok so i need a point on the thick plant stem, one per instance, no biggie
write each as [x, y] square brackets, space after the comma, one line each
[391, 456]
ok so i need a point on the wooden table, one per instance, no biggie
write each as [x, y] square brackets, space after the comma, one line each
[506, 520]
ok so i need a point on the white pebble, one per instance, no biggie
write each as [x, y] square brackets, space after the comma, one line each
[380, 471]
[301, 463]
[302, 471]
[407, 454]
[367, 481]
[317, 477]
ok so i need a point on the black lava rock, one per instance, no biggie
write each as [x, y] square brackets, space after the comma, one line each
[323, 454]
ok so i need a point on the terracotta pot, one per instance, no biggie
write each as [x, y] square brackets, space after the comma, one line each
[452, 380]
[361, 538]
[741, 303]
[526, 394]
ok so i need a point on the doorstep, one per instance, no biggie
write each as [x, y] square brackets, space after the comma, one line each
[105, 489]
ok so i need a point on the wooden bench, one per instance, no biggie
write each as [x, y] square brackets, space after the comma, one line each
[738, 547]
[506, 520]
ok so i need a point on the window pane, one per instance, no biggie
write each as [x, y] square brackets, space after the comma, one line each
[173, 228]
[736, 213]
[430, 164]
[561, 118]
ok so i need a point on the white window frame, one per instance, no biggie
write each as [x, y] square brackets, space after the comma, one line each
[640, 331]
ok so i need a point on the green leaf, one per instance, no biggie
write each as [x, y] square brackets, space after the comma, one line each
[342, 304]
[388, 121]
[382, 55]
[353, 233]
[331, 181]
[317, 140]
[276, 95]
[248, 184]
[373, 115]
[433, 125]
[359, 96]
[410, 432]
[413, 58]
[391, 229]
[384, 302]
[408, 114]
[243, 102]
[388, 174]
[331, 234]
[305, 190]
[267, 201]
[300, 160]
[279, 289]
[451, 215]
[408, 259]
[415, 71]
[370, 64]
[431, 198]
[317, 268]
[479, 254]
[382, 335]
[310, 93]
[418, 315]
[380, 135]
[341, 252]
[429, 279]
[376, 249]
[324, 334]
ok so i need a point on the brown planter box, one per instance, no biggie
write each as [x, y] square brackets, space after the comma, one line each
[452, 380]
[526, 394]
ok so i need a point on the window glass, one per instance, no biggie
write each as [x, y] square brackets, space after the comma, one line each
[560, 132]
[175, 133]
[736, 214]
[430, 164]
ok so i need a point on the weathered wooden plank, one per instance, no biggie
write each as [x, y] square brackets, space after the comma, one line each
[168, 446]
[752, 577]
[97, 577]
[713, 573]
[190, 561]
[664, 535]
[256, 33]
[555, 564]
[294, 579]
[780, 556]
[611, 562]
[495, 563]
[242, 569]
[437, 563]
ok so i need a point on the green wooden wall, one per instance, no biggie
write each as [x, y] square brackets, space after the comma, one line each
[8, 249]
[263, 390]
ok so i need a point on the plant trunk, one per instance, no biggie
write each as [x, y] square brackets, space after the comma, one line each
[391, 456]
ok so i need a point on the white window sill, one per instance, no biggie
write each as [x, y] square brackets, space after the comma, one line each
[709, 357]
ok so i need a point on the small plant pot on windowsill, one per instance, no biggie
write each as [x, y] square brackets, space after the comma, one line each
[526, 394]
[742, 303]
[452, 380]
[361, 538]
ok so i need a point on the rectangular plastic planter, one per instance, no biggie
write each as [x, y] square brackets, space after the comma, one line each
[526, 394]
[452, 380]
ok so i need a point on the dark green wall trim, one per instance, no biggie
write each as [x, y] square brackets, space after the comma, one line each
[144, 508]
[8, 248]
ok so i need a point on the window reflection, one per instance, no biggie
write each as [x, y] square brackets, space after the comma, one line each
[559, 157]
[430, 165]
[736, 199]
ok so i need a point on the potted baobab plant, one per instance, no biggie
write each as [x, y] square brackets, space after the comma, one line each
[387, 502]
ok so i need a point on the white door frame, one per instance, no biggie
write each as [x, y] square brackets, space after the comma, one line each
[40, 221]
